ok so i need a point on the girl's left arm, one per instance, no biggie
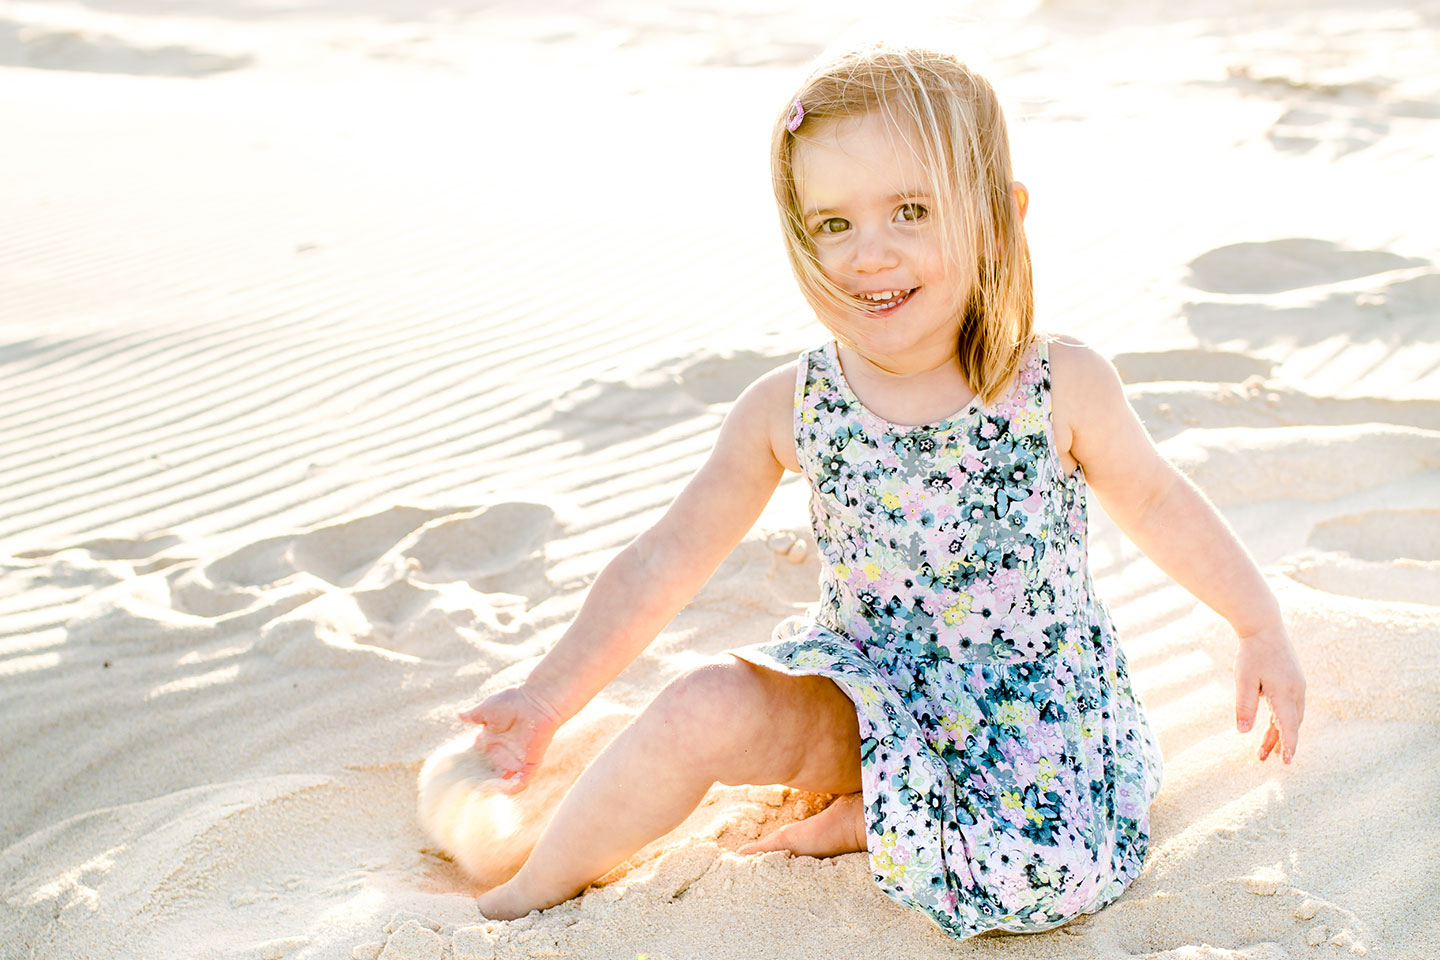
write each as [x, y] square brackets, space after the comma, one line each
[1180, 530]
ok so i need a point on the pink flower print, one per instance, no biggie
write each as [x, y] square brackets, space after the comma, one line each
[949, 635]
[1007, 584]
[1129, 800]
[1027, 552]
[989, 431]
[1077, 896]
[972, 463]
[1026, 752]
[976, 683]
[1024, 765]
[888, 585]
[1006, 871]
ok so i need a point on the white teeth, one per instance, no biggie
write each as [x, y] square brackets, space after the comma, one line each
[887, 299]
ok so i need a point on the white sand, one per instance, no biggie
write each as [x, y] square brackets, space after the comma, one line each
[341, 345]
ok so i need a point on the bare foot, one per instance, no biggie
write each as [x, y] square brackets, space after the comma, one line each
[506, 902]
[525, 892]
[839, 828]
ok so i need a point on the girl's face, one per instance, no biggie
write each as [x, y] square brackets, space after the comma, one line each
[866, 202]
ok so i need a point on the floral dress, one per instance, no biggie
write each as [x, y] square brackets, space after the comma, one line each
[1006, 762]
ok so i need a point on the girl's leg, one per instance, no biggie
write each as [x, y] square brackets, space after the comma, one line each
[731, 722]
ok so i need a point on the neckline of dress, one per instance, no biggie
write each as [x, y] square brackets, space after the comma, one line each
[832, 354]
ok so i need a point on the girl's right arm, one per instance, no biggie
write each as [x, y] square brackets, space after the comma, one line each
[648, 582]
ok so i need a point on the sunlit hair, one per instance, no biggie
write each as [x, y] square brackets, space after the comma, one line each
[954, 121]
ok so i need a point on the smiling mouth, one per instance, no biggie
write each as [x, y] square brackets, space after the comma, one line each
[884, 301]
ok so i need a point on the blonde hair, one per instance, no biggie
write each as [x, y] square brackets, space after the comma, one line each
[958, 130]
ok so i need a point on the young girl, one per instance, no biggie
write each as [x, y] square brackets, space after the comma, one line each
[958, 684]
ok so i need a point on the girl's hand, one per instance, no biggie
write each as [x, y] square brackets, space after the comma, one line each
[1266, 666]
[517, 727]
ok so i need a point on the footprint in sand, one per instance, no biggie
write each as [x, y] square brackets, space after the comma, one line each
[1332, 109]
[1274, 266]
[1239, 465]
[1209, 366]
[418, 585]
[42, 47]
[1372, 317]
[404, 584]
[1168, 408]
[338, 553]
[1382, 535]
[602, 411]
[1389, 555]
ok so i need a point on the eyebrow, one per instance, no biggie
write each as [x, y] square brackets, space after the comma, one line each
[894, 198]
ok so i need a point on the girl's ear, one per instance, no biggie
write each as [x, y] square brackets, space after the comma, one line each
[1022, 197]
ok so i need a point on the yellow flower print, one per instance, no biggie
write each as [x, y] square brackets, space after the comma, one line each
[958, 610]
[1011, 799]
[957, 724]
[1046, 776]
[810, 658]
[1010, 714]
[808, 416]
[890, 500]
[842, 572]
[887, 867]
[1025, 423]
[872, 572]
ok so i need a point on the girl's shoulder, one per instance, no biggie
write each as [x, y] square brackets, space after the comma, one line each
[767, 406]
[1084, 389]
[1075, 366]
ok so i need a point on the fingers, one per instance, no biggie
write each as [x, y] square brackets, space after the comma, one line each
[519, 778]
[1287, 715]
[1247, 698]
[512, 771]
[496, 720]
[1272, 737]
[1283, 732]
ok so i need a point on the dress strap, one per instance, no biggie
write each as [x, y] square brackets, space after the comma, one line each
[1043, 397]
[799, 428]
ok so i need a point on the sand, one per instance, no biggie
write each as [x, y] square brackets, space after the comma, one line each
[343, 344]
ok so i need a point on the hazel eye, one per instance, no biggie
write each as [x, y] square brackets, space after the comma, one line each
[911, 212]
[832, 225]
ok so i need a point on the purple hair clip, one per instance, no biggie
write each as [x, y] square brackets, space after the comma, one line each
[797, 114]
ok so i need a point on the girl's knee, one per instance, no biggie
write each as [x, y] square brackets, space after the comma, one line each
[709, 713]
[725, 693]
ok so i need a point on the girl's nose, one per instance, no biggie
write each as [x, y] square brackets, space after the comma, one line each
[873, 252]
